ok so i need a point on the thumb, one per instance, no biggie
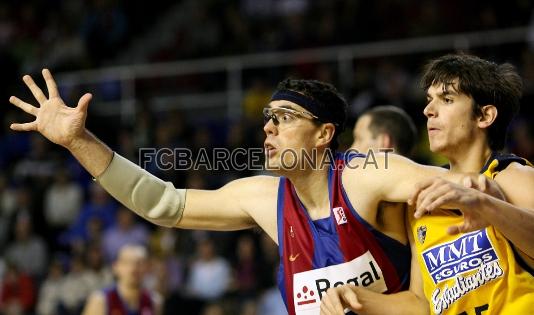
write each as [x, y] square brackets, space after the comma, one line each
[83, 103]
[351, 298]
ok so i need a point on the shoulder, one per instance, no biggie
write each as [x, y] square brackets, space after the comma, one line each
[516, 174]
[96, 304]
[517, 183]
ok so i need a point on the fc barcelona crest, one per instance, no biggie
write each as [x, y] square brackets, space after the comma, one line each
[421, 233]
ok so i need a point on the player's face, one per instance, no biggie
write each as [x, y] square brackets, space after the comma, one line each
[130, 266]
[291, 133]
[363, 137]
[451, 124]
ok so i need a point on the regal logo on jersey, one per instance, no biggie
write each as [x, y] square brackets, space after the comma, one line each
[310, 285]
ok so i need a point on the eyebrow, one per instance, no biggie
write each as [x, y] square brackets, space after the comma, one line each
[443, 93]
[283, 106]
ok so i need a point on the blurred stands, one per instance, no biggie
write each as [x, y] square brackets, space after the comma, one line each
[198, 107]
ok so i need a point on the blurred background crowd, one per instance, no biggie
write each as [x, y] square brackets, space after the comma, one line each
[60, 232]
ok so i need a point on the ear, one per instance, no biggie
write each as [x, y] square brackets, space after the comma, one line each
[326, 134]
[384, 141]
[488, 114]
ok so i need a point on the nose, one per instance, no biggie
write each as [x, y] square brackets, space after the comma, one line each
[430, 110]
[269, 127]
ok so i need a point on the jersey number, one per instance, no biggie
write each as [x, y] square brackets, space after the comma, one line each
[478, 310]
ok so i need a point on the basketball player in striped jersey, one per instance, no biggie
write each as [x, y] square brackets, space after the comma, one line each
[127, 296]
[472, 253]
[322, 216]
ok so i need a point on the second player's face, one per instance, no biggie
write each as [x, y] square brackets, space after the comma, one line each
[363, 137]
[451, 124]
[285, 144]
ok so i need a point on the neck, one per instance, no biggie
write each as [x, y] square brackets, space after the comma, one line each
[312, 189]
[129, 294]
[470, 158]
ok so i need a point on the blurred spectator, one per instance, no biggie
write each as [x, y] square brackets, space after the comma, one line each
[38, 165]
[97, 267]
[127, 296]
[17, 293]
[76, 287]
[523, 139]
[271, 303]
[126, 231]
[8, 197]
[28, 250]
[50, 291]
[163, 245]
[256, 98]
[246, 268]
[63, 201]
[96, 214]
[209, 274]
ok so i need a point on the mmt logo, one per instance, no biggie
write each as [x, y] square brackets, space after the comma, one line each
[461, 255]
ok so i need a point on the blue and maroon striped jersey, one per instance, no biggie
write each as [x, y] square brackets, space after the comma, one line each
[342, 248]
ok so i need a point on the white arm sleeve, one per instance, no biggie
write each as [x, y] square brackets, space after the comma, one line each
[148, 196]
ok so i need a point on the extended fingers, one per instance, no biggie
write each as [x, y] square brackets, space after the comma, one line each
[31, 126]
[419, 187]
[331, 303]
[431, 197]
[28, 108]
[36, 91]
[50, 84]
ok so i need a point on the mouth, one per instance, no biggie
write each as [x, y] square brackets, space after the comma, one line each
[270, 150]
[432, 130]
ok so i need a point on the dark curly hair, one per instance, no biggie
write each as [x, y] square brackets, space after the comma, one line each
[327, 97]
[486, 82]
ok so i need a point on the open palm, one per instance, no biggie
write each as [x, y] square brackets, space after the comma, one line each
[56, 121]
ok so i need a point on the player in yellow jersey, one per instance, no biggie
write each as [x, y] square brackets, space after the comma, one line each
[478, 259]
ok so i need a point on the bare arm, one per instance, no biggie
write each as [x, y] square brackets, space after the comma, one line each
[390, 177]
[95, 305]
[235, 206]
[515, 220]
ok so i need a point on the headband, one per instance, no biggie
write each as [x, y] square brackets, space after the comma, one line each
[308, 103]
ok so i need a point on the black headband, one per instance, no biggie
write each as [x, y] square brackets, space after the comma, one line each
[308, 103]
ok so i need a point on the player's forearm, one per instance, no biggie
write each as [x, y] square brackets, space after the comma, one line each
[92, 153]
[514, 222]
[401, 303]
[150, 197]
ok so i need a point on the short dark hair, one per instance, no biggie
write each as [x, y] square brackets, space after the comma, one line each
[395, 122]
[486, 82]
[327, 96]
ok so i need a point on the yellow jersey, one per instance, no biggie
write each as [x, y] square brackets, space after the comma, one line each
[476, 273]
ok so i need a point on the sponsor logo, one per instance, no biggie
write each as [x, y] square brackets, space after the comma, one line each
[293, 258]
[339, 213]
[444, 297]
[464, 254]
[302, 297]
[421, 234]
[362, 271]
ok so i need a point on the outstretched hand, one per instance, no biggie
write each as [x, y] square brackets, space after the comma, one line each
[56, 121]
